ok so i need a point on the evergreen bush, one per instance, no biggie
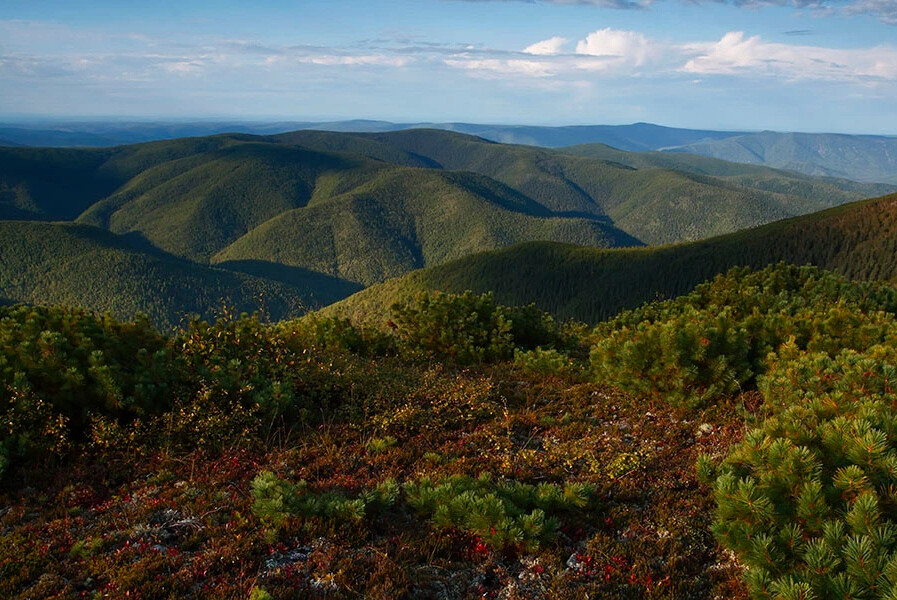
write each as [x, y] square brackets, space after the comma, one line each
[808, 501]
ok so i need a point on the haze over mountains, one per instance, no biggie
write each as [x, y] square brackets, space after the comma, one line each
[869, 158]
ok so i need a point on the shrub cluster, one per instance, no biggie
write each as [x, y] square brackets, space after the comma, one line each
[808, 499]
[718, 339]
[59, 366]
[500, 514]
[68, 377]
[469, 328]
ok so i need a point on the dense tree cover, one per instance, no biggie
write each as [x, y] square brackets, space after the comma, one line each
[856, 240]
[401, 221]
[655, 205]
[863, 158]
[824, 189]
[716, 340]
[84, 266]
[368, 207]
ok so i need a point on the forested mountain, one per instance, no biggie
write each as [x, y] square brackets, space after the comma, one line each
[656, 205]
[636, 137]
[402, 221]
[824, 189]
[313, 215]
[858, 240]
[79, 265]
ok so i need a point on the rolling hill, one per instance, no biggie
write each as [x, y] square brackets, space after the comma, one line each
[334, 210]
[79, 265]
[653, 203]
[402, 221]
[860, 157]
[858, 240]
[829, 190]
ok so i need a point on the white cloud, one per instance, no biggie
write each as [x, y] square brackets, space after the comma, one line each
[736, 54]
[627, 46]
[616, 53]
[550, 46]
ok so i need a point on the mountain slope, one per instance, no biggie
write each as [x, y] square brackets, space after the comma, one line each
[637, 137]
[858, 240]
[195, 206]
[79, 265]
[403, 221]
[859, 157]
[824, 189]
[656, 205]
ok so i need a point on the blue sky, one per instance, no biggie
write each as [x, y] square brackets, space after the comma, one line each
[803, 65]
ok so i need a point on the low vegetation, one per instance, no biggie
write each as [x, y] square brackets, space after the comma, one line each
[735, 442]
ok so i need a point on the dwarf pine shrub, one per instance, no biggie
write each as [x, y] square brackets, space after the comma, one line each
[466, 328]
[808, 501]
[501, 513]
[718, 339]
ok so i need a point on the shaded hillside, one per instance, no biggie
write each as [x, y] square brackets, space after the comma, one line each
[653, 204]
[51, 184]
[77, 265]
[858, 240]
[859, 157]
[197, 205]
[404, 220]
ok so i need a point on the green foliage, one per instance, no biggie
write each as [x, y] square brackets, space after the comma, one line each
[500, 513]
[68, 376]
[469, 328]
[713, 342]
[58, 366]
[380, 445]
[367, 208]
[333, 334]
[275, 500]
[806, 500]
[544, 362]
[258, 593]
[465, 328]
[77, 265]
[645, 202]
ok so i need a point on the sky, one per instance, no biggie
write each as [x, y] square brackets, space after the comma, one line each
[787, 65]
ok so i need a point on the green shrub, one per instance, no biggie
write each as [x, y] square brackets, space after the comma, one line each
[544, 362]
[688, 359]
[807, 500]
[380, 445]
[275, 500]
[60, 366]
[265, 369]
[464, 328]
[718, 339]
[335, 335]
[502, 514]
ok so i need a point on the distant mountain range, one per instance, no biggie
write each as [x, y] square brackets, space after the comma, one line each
[305, 218]
[858, 157]
[858, 240]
